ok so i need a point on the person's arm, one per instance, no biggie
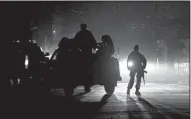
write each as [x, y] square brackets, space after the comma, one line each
[93, 41]
[144, 61]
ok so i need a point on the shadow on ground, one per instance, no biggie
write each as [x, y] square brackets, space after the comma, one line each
[160, 113]
[51, 107]
[72, 108]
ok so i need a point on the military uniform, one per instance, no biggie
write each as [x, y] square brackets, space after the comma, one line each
[139, 63]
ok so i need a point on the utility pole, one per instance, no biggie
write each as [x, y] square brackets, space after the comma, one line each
[45, 42]
[155, 24]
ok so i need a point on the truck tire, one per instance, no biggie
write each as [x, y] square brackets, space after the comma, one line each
[68, 92]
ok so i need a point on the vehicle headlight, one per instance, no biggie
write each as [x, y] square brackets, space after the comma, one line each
[130, 64]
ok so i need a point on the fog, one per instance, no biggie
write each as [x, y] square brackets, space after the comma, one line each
[161, 29]
[161, 73]
[130, 23]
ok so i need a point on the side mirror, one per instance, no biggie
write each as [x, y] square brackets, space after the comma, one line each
[47, 54]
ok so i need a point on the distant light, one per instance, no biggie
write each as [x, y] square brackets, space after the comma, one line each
[18, 41]
[11, 81]
[18, 81]
[148, 17]
[26, 62]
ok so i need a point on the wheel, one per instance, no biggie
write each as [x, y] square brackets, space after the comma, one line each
[109, 89]
[68, 92]
[87, 83]
[87, 88]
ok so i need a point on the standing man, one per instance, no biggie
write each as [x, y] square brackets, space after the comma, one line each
[85, 39]
[86, 42]
[136, 63]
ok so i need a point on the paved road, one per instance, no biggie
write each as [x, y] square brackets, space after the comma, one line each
[157, 102]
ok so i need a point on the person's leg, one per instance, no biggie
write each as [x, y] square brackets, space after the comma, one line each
[138, 84]
[87, 67]
[131, 81]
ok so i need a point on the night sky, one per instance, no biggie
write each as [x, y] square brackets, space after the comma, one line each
[128, 23]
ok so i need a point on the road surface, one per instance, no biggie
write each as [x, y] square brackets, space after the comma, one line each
[157, 102]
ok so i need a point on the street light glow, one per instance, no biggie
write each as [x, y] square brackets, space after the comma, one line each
[26, 62]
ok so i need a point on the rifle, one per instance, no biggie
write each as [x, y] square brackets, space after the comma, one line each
[143, 75]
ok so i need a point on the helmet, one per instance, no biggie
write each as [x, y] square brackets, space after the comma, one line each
[136, 47]
[106, 38]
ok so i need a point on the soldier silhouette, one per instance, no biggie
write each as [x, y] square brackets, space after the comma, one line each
[136, 63]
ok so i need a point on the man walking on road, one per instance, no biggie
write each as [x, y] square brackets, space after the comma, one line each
[136, 63]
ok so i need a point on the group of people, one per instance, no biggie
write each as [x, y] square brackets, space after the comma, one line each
[86, 42]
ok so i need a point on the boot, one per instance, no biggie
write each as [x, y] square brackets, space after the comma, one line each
[128, 91]
[137, 92]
